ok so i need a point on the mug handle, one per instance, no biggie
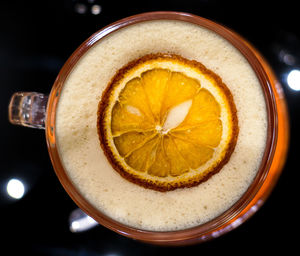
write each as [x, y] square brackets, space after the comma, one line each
[28, 109]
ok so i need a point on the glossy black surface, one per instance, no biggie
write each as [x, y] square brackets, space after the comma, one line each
[36, 39]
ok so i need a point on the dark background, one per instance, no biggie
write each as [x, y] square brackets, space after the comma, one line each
[37, 37]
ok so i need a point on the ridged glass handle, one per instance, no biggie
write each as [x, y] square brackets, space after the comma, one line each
[28, 109]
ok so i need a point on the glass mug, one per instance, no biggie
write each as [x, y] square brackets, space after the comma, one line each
[39, 111]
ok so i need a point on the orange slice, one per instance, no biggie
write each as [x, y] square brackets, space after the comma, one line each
[165, 122]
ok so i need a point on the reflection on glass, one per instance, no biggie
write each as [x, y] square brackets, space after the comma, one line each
[83, 224]
[80, 221]
[15, 188]
[293, 79]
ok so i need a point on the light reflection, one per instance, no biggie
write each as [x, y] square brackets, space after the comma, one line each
[96, 9]
[80, 221]
[80, 8]
[15, 188]
[287, 58]
[293, 79]
[82, 224]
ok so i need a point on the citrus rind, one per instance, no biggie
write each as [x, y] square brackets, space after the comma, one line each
[135, 108]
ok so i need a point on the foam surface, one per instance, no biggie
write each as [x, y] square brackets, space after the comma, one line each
[85, 163]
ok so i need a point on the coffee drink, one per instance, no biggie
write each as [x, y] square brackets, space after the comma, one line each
[87, 164]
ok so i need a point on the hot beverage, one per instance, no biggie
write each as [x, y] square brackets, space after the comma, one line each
[185, 166]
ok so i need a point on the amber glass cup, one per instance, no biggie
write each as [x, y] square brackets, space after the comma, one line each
[39, 111]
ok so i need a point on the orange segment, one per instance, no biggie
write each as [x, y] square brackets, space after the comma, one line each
[154, 83]
[126, 118]
[206, 133]
[143, 157]
[134, 95]
[160, 166]
[180, 88]
[178, 164]
[127, 142]
[204, 108]
[162, 128]
[195, 155]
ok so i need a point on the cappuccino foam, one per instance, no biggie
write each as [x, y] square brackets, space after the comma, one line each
[83, 158]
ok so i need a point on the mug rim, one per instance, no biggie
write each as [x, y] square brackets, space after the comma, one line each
[195, 234]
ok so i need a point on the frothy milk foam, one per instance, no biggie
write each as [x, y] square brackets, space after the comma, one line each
[87, 166]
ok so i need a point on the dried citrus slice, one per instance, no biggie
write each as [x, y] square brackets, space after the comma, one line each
[165, 122]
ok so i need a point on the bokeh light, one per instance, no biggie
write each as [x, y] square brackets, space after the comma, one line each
[15, 188]
[293, 79]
